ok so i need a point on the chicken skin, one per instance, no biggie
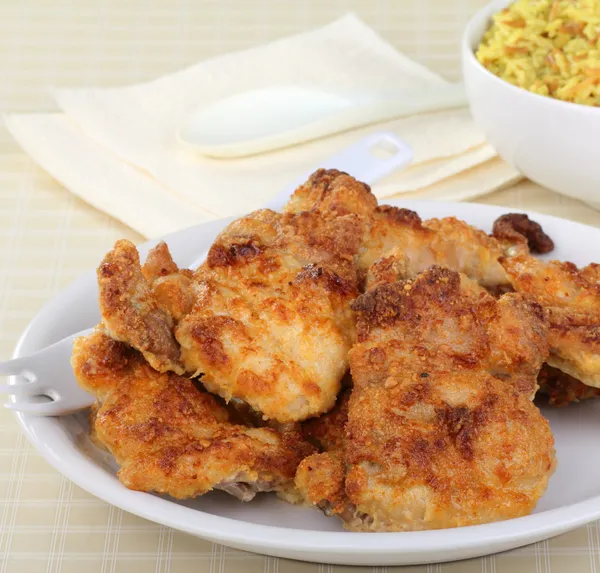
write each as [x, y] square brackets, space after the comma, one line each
[441, 429]
[572, 299]
[171, 437]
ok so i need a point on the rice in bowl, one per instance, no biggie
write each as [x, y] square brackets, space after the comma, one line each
[549, 47]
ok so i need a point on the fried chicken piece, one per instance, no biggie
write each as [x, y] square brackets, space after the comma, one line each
[441, 428]
[572, 298]
[266, 320]
[320, 477]
[562, 389]
[518, 344]
[400, 233]
[171, 437]
[272, 323]
[332, 193]
[171, 287]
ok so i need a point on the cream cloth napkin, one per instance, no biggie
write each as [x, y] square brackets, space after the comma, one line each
[118, 149]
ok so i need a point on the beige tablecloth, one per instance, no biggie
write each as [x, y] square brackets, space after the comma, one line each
[48, 237]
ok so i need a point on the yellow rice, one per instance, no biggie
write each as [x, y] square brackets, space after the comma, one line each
[549, 47]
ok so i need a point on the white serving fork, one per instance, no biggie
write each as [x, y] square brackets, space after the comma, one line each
[48, 374]
[46, 380]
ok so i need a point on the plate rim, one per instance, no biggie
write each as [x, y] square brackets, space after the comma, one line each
[346, 548]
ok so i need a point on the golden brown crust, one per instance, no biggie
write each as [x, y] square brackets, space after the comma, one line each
[170, 437]
[572, 299]
[328, 431]
[171, 287]
[400, 246]
[99, 362]
[267, 318]
[562, 389]
[390, 227]
[159, 263]
[320, 479]
[130, 312]
[436, 436]
[271, 324]
[334, 193]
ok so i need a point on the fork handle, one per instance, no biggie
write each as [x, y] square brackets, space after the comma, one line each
[13, 367]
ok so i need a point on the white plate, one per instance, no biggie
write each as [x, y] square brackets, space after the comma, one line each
[267, 525]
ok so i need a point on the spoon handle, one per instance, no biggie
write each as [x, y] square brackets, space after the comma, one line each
[409, 103]
[401, 105]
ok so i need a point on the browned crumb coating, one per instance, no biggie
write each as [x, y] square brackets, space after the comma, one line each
[441, 428]
[571, 297]
[170, 436]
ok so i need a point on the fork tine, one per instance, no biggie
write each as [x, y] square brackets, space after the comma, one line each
[41, 408]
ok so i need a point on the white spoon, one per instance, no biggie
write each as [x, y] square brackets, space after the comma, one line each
[263, 120]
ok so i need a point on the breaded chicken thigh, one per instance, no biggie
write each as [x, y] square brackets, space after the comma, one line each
[170, 436]
[265, 320]
[572, 298]
[441, 428]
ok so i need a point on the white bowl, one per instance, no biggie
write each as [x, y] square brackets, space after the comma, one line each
[552, 142]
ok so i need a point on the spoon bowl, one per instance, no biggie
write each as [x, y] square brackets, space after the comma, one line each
[264, 120]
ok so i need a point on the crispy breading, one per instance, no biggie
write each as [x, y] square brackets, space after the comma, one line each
[441, 429]
[170, 436]
[272, 323]
[320, 477]
[332, 193]
[517, 345]
[265, 320]
[562, 389]
[328, 431]
[131, 313]
[171, 287]
[448, 242]
[401, 234]
[320, 482]
[572, 299]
